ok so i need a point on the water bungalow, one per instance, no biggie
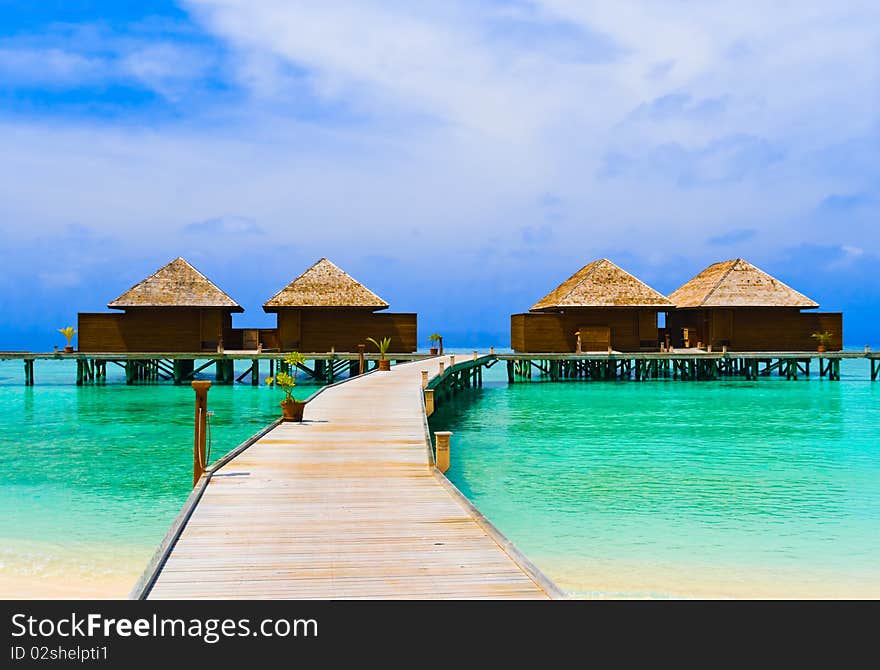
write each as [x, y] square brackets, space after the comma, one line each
[737, 305]
[600, 306]
[326, 309]
[175, 309]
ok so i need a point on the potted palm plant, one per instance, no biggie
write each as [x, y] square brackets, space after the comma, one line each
[382, 345]
[68, 332]
[437, 340]
[291, 408]
[823, 339]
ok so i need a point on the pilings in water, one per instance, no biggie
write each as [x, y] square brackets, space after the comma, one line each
[684, 366]
[620, 367]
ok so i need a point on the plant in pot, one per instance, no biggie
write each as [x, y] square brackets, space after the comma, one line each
[291, 408]
[437, 340]
[823, 339]
[382, 345]
[68, 332]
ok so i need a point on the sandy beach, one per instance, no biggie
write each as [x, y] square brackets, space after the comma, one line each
[630, 580]
[20, 587]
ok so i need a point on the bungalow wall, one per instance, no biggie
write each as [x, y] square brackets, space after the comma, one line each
[320, 330]
[755, 329]
[152, 330]
[556, 332]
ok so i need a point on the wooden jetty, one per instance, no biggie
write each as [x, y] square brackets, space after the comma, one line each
[684, 365]
[347, 504]
[680, 364]
[182, 367]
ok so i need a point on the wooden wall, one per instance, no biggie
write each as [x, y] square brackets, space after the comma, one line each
[320, 330]
[555, 332]
[758, 329]
[152, 330]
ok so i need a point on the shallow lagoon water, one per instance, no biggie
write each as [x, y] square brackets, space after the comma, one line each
[681, 489]
[655, 489]
[91, 477]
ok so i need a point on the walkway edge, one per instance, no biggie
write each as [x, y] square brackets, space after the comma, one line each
[543, 581]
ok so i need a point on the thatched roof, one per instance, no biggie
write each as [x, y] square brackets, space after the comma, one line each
[737, 283]
[601, 284]
[177, 284]
[325, 285]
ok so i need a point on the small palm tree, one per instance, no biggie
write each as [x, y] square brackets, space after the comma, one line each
[383, 345]
[68, 332]
[437, 338]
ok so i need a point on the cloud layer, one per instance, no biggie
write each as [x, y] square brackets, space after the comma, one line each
[500, 145]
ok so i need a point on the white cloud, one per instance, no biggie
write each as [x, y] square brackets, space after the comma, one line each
[367, 121]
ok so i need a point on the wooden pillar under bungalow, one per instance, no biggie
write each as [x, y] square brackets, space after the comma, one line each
[733, 305]
[175, 309]
[325, 307]
[600, 308]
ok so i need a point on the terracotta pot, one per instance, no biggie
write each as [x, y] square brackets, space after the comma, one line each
[821, 348]
[68, 349]
[384, 364]
[434, 351]
[292, 410]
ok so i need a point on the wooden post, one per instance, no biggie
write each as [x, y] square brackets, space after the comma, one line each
[361, 348]
[475, 355]
[255, 372]
[491, 351]
[429, 402]
[184, 369]
[424, 379]
[201, 421]
[442, 368]
[451, 360]
[441, 439]
[510, 372]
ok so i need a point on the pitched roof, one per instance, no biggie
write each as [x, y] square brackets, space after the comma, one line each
[177, 284]
[737, 283]
[601, 284]
[324, 285]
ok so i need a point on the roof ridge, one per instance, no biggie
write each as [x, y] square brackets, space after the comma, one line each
[723, 277]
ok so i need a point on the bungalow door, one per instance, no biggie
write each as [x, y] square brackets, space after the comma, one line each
[594, 338]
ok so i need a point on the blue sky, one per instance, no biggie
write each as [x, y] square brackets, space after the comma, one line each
[460, 159]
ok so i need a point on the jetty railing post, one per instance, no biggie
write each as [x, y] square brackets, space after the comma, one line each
[361, 348]
[424, 379]
[429, 402]
[441, 440]
[200, 437]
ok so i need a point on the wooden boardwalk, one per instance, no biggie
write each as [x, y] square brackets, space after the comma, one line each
[344, 505]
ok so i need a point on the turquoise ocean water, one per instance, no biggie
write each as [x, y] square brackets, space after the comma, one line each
[681, 489]
[91, 477]
[654, 489]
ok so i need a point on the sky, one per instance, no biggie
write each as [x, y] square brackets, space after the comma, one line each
[460, 158]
